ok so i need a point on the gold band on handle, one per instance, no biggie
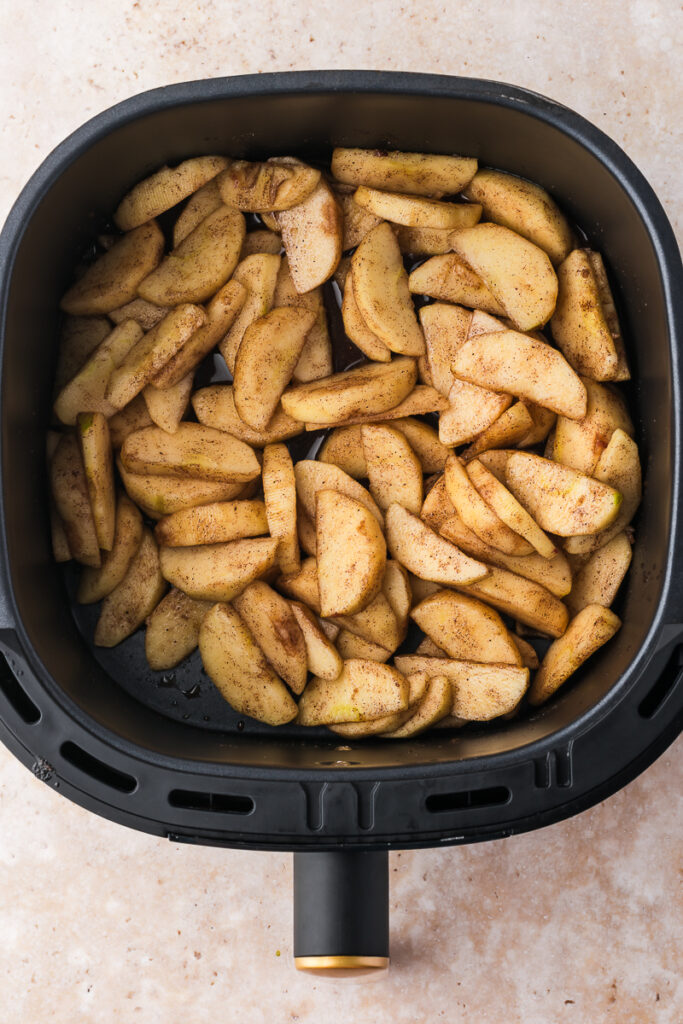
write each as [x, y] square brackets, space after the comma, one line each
[341, 964]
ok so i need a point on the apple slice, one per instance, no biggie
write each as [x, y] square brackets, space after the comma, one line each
[618, 466]
[522, 366]
[351, 554]
[437, 507]
[315, 360]
[523, 207]
[451, 279]
[524, 600]
[420, 550]
[562, 500]
[421, 401]
[586, 633]
[380, 287]
[312, 237]
[357, 329]
[193, 451]
[424, 174]
[508, 509]
[394, 469]
[472, 411]
[518, 273]
[364, 690]
[476, 513]
[445, 329]
[238, 668]
[598, 581]
[435, 705]
[214, 406]
[580, 443]
[369, 389]
[512, 424]
[480, 692]
[265, 361]
[585, 323]
[466, 629]
[218, 572]
[416, 211]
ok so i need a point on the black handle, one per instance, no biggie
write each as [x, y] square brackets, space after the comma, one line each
[341, 911]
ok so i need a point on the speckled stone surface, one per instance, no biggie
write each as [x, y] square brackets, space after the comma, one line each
[580, 922]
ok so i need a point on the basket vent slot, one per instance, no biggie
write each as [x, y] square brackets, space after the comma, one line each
[491, 796]
[16, 695]
[96, 769]
[223, 803]
[670, 675]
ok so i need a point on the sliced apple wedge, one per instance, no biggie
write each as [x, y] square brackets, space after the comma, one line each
[508, 509]
[357, 221]
[465, 628]
[437, 507]
[426, 554]
[476, 513]
[512, 424]
[214, 406]
[552, 573]
[523, 207]
[522, 366]
[351, 554]
[258, 275]
[193, 451]
[471, 412]
[160, 496]
[200, 204]
[424, 174]
[312, 237]
[357, 329]
[218, 572]
[416, 211]
[618, 466]
[451, 279]
[85, 391]
[279, 492]
[524, 600]
[167, 407]
[127, 606]
[376, 623]
[585, 324]
[365, 690]
[598, 581]
[202, 262]
[165, 189]
[173, 630]
[421, 401]
[394, 469]
[370, 389]
[580, 443]
[276, 630]
[518, 273]
[238, 668]
[322, 657]
[98, 465]
[433, 241]
[217, 523]
[561, 500]
[446, 328]
[276, 184]
[586, 633]
[265, 362]
[303, 585]
[380, 288]
[479, 692]
[113, 279]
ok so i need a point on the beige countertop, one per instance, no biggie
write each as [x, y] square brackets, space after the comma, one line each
[580, 922]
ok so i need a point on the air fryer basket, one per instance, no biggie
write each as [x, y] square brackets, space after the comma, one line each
[166, 754]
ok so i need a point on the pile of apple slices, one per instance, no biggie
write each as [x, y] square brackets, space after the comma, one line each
[475, 476]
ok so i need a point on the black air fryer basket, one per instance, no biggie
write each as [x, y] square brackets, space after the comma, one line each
[168, 756]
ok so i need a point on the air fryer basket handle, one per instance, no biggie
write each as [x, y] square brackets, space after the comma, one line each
[341, 911]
